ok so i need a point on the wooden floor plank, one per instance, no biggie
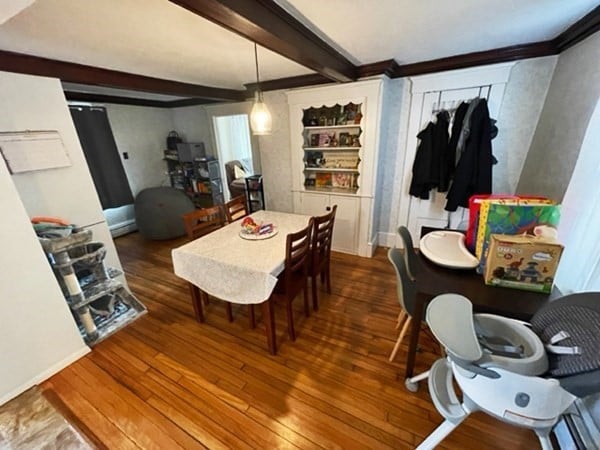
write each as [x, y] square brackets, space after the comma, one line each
[167, 381]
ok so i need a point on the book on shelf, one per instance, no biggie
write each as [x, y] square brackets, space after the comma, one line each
[343, 180]
[323, 179]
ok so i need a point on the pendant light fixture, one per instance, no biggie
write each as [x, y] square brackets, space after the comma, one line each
[260, 117]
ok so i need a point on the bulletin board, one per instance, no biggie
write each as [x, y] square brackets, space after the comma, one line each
[27, 151]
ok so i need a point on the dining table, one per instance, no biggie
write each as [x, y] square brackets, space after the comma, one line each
[433, 280]
[238, 267]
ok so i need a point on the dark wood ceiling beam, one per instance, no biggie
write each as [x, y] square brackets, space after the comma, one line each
[387, 67]
[498, 55]
[76, 96]
[268, 24]
[288, 83]
[79, 73]
[584, 27]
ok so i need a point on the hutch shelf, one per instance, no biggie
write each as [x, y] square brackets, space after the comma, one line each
[334, 151]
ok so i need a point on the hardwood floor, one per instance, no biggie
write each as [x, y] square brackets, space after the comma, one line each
[168, 382]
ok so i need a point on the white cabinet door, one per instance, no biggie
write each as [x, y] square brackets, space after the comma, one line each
[313, 204]
[346, 223]
[346, 217]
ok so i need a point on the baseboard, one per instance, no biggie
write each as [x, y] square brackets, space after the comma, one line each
[55, 368]
[386, 239]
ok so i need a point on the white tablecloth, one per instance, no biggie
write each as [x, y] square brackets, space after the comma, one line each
[234, 269]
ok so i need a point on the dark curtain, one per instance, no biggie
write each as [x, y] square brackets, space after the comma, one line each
[102, 155]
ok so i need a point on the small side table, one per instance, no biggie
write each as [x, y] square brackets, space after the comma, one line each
[255, 193]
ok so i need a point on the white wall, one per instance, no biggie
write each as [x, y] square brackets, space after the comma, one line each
[394, 92]
[142, 133]
[522, 105]
[193, 125]
[38, 335]
[571, 99]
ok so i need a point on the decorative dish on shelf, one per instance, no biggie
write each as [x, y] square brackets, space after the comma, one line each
[256, 232]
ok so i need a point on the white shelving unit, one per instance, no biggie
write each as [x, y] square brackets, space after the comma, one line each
[336, 164]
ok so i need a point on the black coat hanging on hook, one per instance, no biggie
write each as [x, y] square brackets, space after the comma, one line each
[432, 167]
[473, 174]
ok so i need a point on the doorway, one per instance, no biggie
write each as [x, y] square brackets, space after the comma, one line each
[232, 138]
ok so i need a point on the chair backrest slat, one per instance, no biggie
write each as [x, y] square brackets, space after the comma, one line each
[297, 253]
[202, 221]
[236, 208]
[321, 239]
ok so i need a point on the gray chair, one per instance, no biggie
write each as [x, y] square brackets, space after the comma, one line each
[410, 256]
[158, 212]
[406, 291]
[237, 186]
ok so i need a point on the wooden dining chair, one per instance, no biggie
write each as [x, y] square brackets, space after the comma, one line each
[294, 278]
[202, 221]
[199, 223]
[406, 289]
[236, 208]
[322, 235]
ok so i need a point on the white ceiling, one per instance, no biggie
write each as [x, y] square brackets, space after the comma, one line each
[412, 31]
[160, 39]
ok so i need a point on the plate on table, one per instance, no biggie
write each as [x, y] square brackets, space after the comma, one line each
[258, 237]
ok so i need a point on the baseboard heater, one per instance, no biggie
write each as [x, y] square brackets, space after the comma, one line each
[121, 228]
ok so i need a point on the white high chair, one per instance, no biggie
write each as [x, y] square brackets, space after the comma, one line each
[497, 362]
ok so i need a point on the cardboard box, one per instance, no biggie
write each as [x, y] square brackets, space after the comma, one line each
[522, 262]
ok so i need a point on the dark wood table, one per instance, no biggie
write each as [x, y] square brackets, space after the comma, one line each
[433, 280]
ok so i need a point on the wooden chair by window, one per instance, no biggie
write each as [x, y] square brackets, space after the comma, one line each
[406, 291]
[236, 208]
[202, 221]
[321, 253]
[294, 278]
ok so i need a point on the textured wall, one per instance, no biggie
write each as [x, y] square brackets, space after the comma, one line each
[275, 154]
[142, 133]
[389, 129]
[571, 99]
[521, 107]
[193, 125]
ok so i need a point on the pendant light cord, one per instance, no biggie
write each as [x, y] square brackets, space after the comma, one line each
[257, 77]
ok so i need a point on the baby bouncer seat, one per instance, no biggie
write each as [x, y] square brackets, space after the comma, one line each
[523, 376]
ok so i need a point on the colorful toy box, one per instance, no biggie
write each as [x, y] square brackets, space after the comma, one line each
[522, 262]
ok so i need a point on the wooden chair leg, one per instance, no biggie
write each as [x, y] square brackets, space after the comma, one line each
[314, 292]
[400, 337]
[269, 320]
[229, 311]
[251, 316]
[328, 278]
[306, 303]
[400, 319]
[290, 319]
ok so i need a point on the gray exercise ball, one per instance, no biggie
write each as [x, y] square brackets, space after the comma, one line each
[158, 212]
